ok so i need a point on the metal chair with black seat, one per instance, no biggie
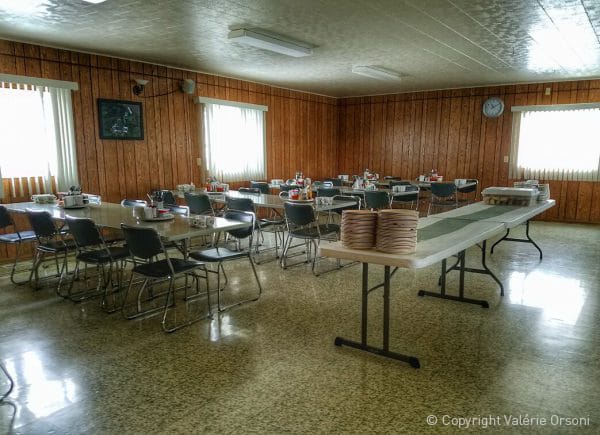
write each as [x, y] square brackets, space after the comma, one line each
[146, 248]
[166, 196]
[462, 192]
[13, 237]
[133, 203]
[286, 187]
[399, 183]
[93, 250]
[335, 182]
[220, 255]
[199, 203]
[377, 199]
[263, 186]
[409, 196]
[442, 195]
[302, 224]
[253, 190]
[50, 240]
[328, 192]
[182, 210]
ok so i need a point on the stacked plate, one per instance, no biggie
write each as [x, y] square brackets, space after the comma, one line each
[397, 231]
[358, 229]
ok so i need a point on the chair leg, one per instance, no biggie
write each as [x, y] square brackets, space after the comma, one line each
[224, 308]
[11, 383]
[14, 266]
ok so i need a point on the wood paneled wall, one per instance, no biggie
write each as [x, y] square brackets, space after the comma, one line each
[409, 134]
[301, 127]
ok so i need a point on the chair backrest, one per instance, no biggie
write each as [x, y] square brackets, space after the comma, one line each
[262, 185]
[243, 216]
[354, 199]
[286, 187]
[5, 218]
[143, 242]
[84, 231]
[198, 203]
[335, 182]
[240, 204]
[183, 210]
[470, 188]
[328, 192]
[41, 223]
[408, 197]
[253, 190]
[399, 183]
[443, 190]
[376, 199]
[299, 214]
[166, 196]
[133, 203]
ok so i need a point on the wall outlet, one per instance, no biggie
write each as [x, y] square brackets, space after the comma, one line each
[547, 91]
[505, 159]
[199, 161]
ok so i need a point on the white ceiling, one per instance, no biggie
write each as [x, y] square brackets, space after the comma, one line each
[438, 44]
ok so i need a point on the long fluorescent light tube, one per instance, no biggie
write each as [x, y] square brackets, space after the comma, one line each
[94, 1]
[376, 72]
[269, 42]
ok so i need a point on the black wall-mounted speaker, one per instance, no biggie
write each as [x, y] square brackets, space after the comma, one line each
[188, 86]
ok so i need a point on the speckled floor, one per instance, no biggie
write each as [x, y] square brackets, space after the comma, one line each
[271, 366]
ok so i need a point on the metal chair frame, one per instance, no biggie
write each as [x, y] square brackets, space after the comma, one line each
[221, 255]
[302, 224]
[146, 246]
[93, 250]
[377, 199]
[405, 199]
[442, 195]
[49, 241]
[15, 237]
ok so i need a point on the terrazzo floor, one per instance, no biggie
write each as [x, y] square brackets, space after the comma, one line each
[271, 366]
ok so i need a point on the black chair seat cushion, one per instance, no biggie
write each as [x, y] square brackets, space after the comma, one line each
[313, 232]
[217, 254]
[101, 256]
[26, 236]
[57, 246]
[160, 269]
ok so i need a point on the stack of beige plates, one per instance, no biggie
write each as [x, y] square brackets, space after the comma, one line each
[397, 231]
[358, 229]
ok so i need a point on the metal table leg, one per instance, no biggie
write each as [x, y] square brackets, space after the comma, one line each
[528, 239]
[460, 266]
[384, 351]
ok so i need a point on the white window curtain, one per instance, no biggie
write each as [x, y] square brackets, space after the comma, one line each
[234, 140]
[555, 143]
[37, 136]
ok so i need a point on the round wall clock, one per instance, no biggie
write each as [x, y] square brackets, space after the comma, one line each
[493, 107]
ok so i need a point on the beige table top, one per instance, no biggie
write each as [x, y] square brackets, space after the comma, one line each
[454, 236]
[274, 201]
[112, 215]
[511, 215]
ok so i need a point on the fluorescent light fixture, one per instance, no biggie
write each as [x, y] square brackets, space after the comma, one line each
[270, 41]
[94, 1]
[376, 72]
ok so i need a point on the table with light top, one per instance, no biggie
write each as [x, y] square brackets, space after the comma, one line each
[438, 238]
[109, 215]
[275, 201]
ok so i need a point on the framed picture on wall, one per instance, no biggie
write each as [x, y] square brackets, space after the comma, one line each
[120, 120]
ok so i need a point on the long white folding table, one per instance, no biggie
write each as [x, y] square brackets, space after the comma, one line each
[438, 237]
[512, 216]
[109, 215]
